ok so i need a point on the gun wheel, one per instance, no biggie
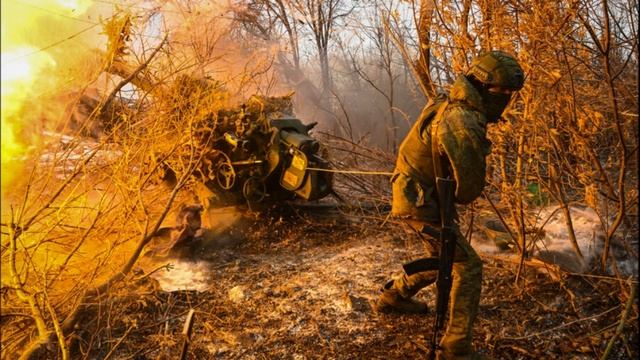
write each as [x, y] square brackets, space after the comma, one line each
[254, 190]
[225, 173]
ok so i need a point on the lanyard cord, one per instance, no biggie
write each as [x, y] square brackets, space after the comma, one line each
[358, 172]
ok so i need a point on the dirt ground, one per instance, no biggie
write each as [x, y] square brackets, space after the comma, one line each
[298, 284]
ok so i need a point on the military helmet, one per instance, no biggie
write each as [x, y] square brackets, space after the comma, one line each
[496, 68]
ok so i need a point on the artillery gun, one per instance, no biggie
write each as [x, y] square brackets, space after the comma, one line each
[256, 152]
[261, 153]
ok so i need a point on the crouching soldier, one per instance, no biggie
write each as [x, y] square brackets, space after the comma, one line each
[459, 124]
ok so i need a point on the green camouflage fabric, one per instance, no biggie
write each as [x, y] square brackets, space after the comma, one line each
[465, 294]
[462, 137]
[497, 68]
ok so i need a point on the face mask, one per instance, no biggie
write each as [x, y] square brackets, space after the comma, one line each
[494, 104]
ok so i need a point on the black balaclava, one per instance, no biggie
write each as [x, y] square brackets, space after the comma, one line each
[494, 103]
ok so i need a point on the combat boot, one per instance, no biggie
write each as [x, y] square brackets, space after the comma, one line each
[390, 301]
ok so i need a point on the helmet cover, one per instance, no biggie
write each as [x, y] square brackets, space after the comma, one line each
[497, 68]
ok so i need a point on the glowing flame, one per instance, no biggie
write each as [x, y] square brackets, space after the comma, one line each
[17, 76]
[23, 59]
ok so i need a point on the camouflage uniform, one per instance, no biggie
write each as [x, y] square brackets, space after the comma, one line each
[461, 123]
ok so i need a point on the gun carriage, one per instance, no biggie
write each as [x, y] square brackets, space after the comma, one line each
[260, 153]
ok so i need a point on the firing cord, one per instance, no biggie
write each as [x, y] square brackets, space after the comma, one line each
[357, 172]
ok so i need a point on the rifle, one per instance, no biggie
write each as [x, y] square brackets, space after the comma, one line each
[444, 263]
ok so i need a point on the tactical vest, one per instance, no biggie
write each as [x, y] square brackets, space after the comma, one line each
[415, 153]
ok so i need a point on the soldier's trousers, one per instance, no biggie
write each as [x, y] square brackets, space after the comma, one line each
[465, 293]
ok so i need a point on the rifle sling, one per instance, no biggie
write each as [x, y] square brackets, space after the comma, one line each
[438, 160]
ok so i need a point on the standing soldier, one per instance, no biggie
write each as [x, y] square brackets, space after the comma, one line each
[459, 124]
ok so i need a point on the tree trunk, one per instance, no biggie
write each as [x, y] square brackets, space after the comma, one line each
[424, 42]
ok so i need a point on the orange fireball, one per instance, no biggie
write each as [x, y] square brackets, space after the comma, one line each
[24, 57]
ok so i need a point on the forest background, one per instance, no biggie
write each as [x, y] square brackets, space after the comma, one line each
[102, 70]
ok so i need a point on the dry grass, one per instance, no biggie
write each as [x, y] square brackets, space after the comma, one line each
[298, 284]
